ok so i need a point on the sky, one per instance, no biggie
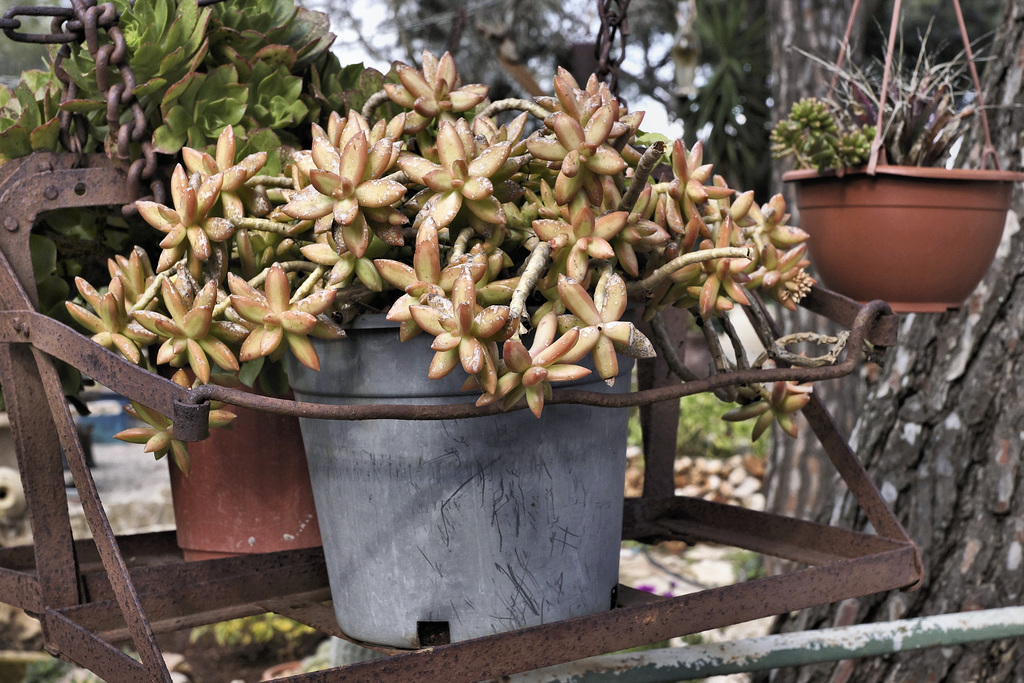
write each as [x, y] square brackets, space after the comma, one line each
[373, 15]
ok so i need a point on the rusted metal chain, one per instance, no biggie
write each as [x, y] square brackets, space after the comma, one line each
[613, 24]
[86, 21]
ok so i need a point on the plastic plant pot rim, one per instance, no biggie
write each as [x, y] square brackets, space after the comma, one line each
[922, 172]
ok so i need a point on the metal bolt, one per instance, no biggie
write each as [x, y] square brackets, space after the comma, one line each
[50, 192]
[11, 224]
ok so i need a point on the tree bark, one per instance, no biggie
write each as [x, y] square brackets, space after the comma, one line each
[942, 434]
[799, 481]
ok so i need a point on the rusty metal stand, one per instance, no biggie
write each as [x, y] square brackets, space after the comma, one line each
[89, 595]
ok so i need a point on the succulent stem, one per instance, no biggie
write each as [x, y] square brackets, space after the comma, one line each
[649, 283]
[739, 350]
[288, 267]
[729, 393]
[459, 247]
[306, 288]
[147, 296]
[271, 181]
[536, 264]
[264, 224]
[515, 104]
[647, 163]
[373, 101]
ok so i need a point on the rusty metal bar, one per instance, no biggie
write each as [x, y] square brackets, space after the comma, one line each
[114, 587]
[844, 311]
[213, 585]
[20, 589]
[45, 182]
[836, 448]
[692, 520]
[534, 647]
[109, 369]
[64, 343]
[106, 542]
[853, 473]
[68, 638]
[862, 322]
[42, 475]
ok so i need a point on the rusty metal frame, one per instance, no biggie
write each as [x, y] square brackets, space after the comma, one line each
[89, 595]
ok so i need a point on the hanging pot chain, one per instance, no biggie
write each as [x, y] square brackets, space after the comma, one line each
[613, 24]
[97, 26]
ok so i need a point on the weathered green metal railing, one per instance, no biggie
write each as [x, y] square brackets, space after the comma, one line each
[788, 649]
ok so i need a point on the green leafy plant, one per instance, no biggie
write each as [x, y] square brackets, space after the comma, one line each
[925, 110]
[811, 136]
[29, 115]
[255, 630]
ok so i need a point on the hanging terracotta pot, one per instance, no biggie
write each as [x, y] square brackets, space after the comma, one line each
[918, 238]
[248, 491]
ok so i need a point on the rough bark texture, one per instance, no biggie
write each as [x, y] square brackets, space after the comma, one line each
[942, 434]
[799, 480]
[817, 27]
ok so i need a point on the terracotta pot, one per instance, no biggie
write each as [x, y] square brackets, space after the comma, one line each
[920, 239]
[248, 492]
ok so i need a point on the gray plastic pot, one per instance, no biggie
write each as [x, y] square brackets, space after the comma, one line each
[441, 531]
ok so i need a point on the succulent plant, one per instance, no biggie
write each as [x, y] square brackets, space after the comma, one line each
[197, 108]
[158, 435]
[424, 206]
[29, 115]
[435, 92]
[925, 110]
[777, 404]
[813, 138]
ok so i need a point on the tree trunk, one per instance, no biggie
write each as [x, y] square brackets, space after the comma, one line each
[942, 434]
[798, 481]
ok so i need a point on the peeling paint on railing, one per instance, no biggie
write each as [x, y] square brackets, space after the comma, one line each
[782, 650]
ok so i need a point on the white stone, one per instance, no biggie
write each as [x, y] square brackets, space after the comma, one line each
[754, 501]
[737, 476]
[690, 491]
[747, 488]
[714, 466]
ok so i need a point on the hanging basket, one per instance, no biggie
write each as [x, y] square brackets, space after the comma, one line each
[918, 238]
